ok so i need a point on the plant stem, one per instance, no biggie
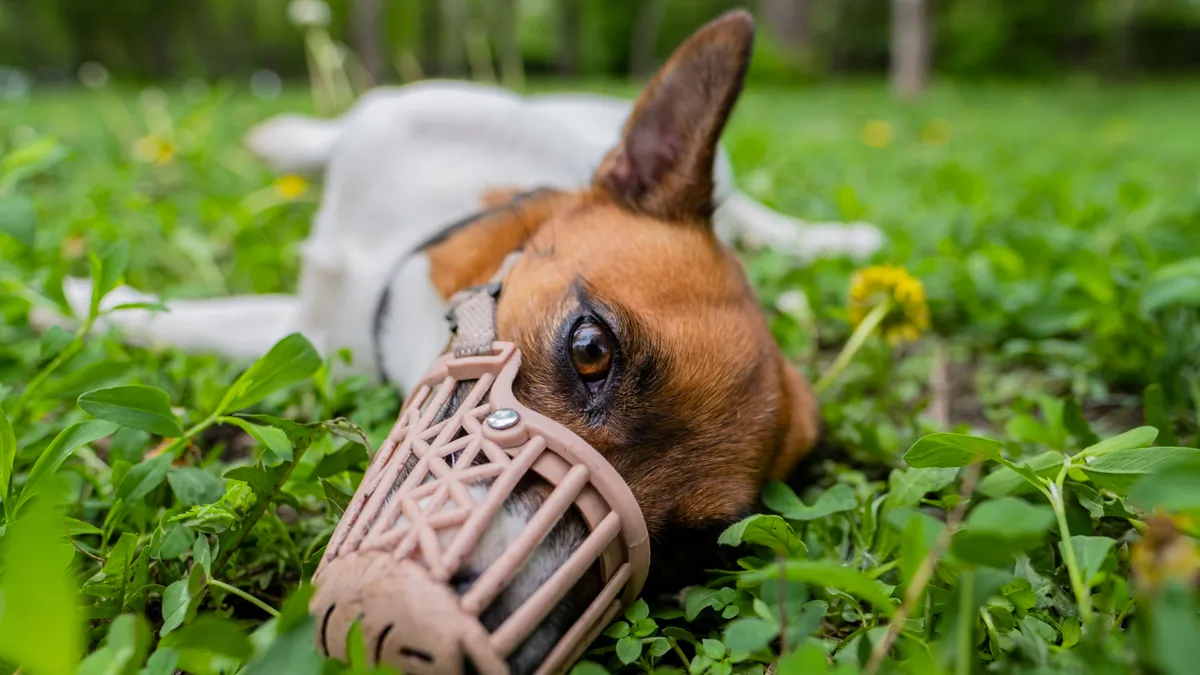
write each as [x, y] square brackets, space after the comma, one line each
[966, 622]
[783, 645]
[687, 664]
[855, 343]
[244, 595]
[1083, 595]
[191, 433]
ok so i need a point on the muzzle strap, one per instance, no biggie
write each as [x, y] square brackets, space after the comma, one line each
[472, 314]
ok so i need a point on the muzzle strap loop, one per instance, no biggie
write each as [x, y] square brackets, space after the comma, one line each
[472, 314]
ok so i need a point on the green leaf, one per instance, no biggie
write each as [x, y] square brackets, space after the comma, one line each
[18, 218]
[997, 530]
[589, 668]
[291, 360]
[1170, 291]
[210, 633]
[764, 530]
[8, 455]
[700, 598]
[1090, 553]
[143, 478]
[114, 259]
[175, 542]
[269, 437]
[909, 487]
[180, 600]
[779, 497]
[337, 497]
[123, 652]
[194, 486]
[659, 646]
[134, 406]
[1119, 470]
[617, 630]
[713, 649]
[951, 450]
[832, 575]
[1175, 490]
[629, 649]
[1141, 437]
[202, 554]
[62, 447]
[162, 662]
[1004, 482]
[54, 340]
[749, 635]
[75, 527]
[809, 659]
[637, 611]
[40, 625]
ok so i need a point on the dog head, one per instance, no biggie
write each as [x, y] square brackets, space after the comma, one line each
[638, 330]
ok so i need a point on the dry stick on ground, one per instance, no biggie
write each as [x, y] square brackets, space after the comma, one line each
[924, 573]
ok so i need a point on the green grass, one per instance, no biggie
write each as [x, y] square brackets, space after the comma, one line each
[1056, 231]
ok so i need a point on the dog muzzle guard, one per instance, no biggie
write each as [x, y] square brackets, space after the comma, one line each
[430, 494]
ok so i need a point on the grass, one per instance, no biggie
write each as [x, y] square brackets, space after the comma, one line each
[1016, 492]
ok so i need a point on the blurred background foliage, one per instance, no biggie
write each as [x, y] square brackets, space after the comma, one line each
[801, 39]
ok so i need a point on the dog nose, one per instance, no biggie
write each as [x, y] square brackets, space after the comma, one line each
[407, 618]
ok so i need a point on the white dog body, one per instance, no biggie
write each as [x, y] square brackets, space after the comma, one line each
[399, 167]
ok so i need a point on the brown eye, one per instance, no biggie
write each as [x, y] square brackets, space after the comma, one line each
[591, 350]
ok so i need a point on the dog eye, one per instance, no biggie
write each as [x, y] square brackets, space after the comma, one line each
[591, 350]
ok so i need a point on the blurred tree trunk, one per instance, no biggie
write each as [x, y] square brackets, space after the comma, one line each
[570, 19]
[431, 36]
[791, 23]
[506, 22]
[643, 51]
[910, 47]
[367, 37]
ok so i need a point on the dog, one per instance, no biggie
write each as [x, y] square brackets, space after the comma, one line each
[638, 328]
[399, 166]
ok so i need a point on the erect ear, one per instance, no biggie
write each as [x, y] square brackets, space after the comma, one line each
[663, 164]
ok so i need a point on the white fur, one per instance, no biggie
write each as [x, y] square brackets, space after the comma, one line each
[400, 166]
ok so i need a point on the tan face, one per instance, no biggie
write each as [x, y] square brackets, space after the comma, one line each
[638, 330]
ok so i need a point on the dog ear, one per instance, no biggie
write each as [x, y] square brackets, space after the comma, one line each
[663, 164]
[800, 424]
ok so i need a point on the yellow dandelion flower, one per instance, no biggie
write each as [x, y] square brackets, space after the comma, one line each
[936, 132]
[153, 149]
[291, 186]
[907, 315]
[878, 134]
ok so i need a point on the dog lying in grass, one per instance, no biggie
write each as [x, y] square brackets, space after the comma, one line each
[638, 328]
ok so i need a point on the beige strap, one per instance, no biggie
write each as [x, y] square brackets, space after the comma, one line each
[472, 314]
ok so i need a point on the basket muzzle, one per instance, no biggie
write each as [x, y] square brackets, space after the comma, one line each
[433, 503]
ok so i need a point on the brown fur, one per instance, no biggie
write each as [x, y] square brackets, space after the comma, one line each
[701, 406]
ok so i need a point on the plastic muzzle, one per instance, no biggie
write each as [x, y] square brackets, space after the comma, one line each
[428, 498]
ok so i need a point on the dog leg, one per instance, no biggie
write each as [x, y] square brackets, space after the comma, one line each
[239, 327]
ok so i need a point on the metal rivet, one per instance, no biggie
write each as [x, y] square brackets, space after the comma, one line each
[503, 418]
